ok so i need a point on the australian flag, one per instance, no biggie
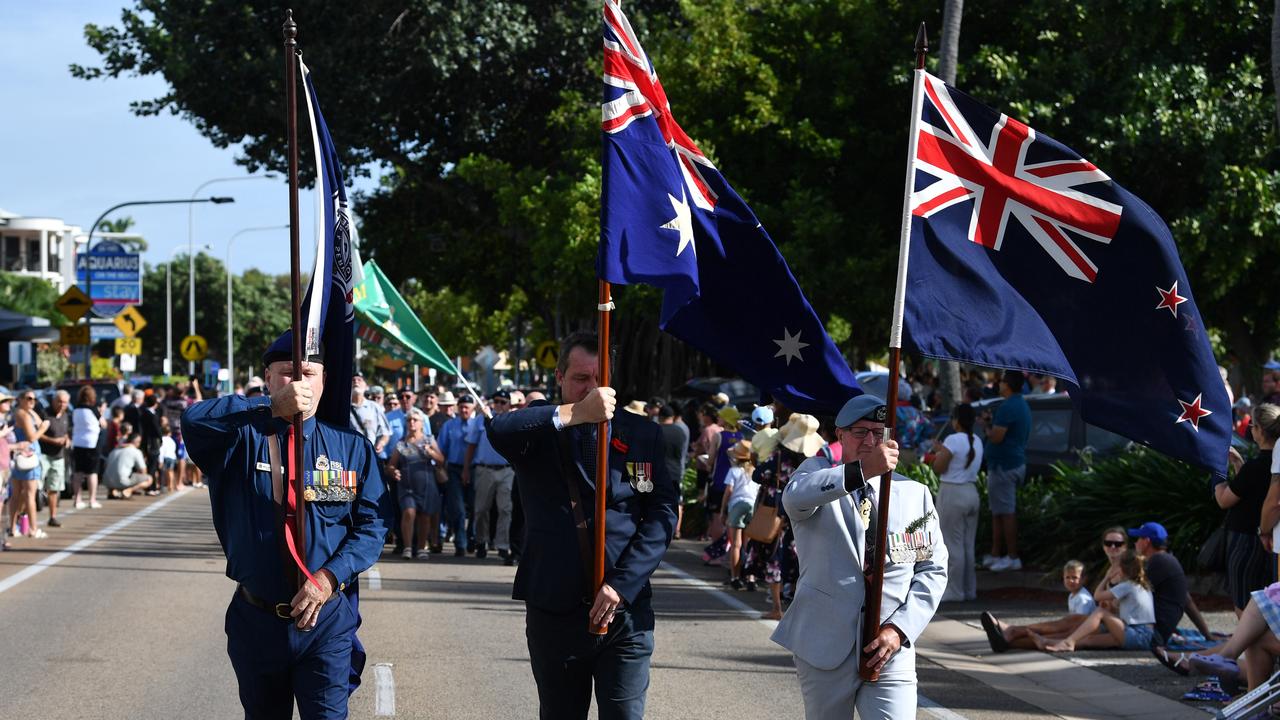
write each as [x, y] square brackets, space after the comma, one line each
[327, 310]
[669, 219]
[1026, 256]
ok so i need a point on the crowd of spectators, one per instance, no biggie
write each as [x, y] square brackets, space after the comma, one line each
[60, 444]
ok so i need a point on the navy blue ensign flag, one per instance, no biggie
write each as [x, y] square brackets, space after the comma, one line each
[1026, 256]
[669, 219]
[330, 322]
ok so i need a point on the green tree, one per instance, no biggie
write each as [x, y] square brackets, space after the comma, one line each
[30, 296]
[122, 225]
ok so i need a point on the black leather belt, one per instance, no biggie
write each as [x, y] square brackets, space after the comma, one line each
[492, 467]
[280, 610]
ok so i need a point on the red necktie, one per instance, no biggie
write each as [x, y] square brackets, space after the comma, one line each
[291, 514]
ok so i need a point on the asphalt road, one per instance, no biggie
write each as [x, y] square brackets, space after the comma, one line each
[120, 615]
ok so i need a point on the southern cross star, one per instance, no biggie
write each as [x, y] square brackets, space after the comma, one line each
[789, 346]
[682, 223]
[1170, 299]
[1192, 412]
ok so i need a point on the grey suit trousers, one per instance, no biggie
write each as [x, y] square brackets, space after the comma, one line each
[835, 694]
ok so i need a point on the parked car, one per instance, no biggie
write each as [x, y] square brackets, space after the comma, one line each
[107, 390]
[742, 394]
[1058, 433]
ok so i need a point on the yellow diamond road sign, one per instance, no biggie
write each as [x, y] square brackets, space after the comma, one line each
[547, 353]
[128, 345]
[130, 322]
[73, 303]
[193, 348]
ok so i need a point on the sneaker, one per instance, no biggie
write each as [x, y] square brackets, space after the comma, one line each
[38, 534]
[460, 552]
[736, 584]
[80, 505]
[989, 560]
[421, 555]
[751, 585]
[481, 551]
[54, 522]
[437, 549]
[95, 505]
[407, 554]
[1006, 564]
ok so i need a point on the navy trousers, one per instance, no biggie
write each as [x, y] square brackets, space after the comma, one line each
[567, 660]
[276, 663]
[455, 506]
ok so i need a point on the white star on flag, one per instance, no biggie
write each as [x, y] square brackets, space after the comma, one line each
[789, 346]
[682, 222]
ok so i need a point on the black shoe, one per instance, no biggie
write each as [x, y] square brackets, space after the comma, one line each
[504, 554]
[481, 552]
[751, 586]
[398, 549]
[54, 522]
[460, 552]
[994, 636]
[736, 584]
[437, 549]
[509, 560]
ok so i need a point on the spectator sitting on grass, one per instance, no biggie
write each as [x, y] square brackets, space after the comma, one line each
[1132, 628]
[1080, 605]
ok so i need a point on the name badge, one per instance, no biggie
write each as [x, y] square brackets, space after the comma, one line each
[264, 467]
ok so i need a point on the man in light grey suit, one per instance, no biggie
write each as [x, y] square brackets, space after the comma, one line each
[829, 506]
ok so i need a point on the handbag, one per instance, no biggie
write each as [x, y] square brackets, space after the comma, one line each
[1213, 554]
[26, 462]
[765, 524]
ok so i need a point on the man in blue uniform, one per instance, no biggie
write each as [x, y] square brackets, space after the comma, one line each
[288, 640]
[553, 449]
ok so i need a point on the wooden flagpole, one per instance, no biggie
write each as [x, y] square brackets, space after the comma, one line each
[875, 583]
[604, 307]
[295, 271]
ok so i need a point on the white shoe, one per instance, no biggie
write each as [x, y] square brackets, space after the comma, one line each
[989, 560]
[95, 505]
[80, 505]
[1006, 564]
[407, 554]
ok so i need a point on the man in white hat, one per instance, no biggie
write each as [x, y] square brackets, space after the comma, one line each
[833, 512]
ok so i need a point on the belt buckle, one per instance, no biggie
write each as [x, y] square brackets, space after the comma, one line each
[282, 611]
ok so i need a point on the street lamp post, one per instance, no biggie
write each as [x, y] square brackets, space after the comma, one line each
[231, 363]
[191, 260]
[168, 309]
[88, 249]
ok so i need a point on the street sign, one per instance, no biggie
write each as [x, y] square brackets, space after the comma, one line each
[100, 367]
[487, 357]
[130, 322]
[73, 303]
[20, 353]
[98, 331]
[113, 276]
[75, 335]
[128, 346]
[193, 348]
[547, 354]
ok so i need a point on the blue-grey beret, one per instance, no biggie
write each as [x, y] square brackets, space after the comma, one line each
[862, 407]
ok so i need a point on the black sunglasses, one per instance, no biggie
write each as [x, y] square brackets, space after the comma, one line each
[1113, 543]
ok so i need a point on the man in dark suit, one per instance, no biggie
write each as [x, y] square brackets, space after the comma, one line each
[553, 450]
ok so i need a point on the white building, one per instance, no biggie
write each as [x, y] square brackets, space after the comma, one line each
[40, 247]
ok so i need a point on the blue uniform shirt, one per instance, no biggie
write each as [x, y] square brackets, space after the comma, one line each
[396, 421]
[228, 438]
[485, 454]
[453, 441]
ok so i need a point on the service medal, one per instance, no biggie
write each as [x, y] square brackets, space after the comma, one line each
[864, 509]
[309, 494]
[322, 463]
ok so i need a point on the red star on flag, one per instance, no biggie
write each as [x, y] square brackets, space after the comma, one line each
[1170, 298]
[1192, 412]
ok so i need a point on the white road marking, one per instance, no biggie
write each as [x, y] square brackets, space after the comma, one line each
[31, 571]
[384, 700]
[925, 703]
[374, 578]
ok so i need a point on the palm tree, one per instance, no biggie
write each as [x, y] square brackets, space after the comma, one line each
[949, 390]
[122, 225]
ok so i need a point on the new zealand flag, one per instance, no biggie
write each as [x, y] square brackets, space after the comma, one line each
[669, 219]
[1026, 256]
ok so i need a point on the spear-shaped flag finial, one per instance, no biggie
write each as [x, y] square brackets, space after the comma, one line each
[922, 46]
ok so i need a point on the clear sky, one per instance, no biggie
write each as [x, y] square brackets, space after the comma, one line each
[71, 148]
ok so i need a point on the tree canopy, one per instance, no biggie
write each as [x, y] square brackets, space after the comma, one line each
[483, 121]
